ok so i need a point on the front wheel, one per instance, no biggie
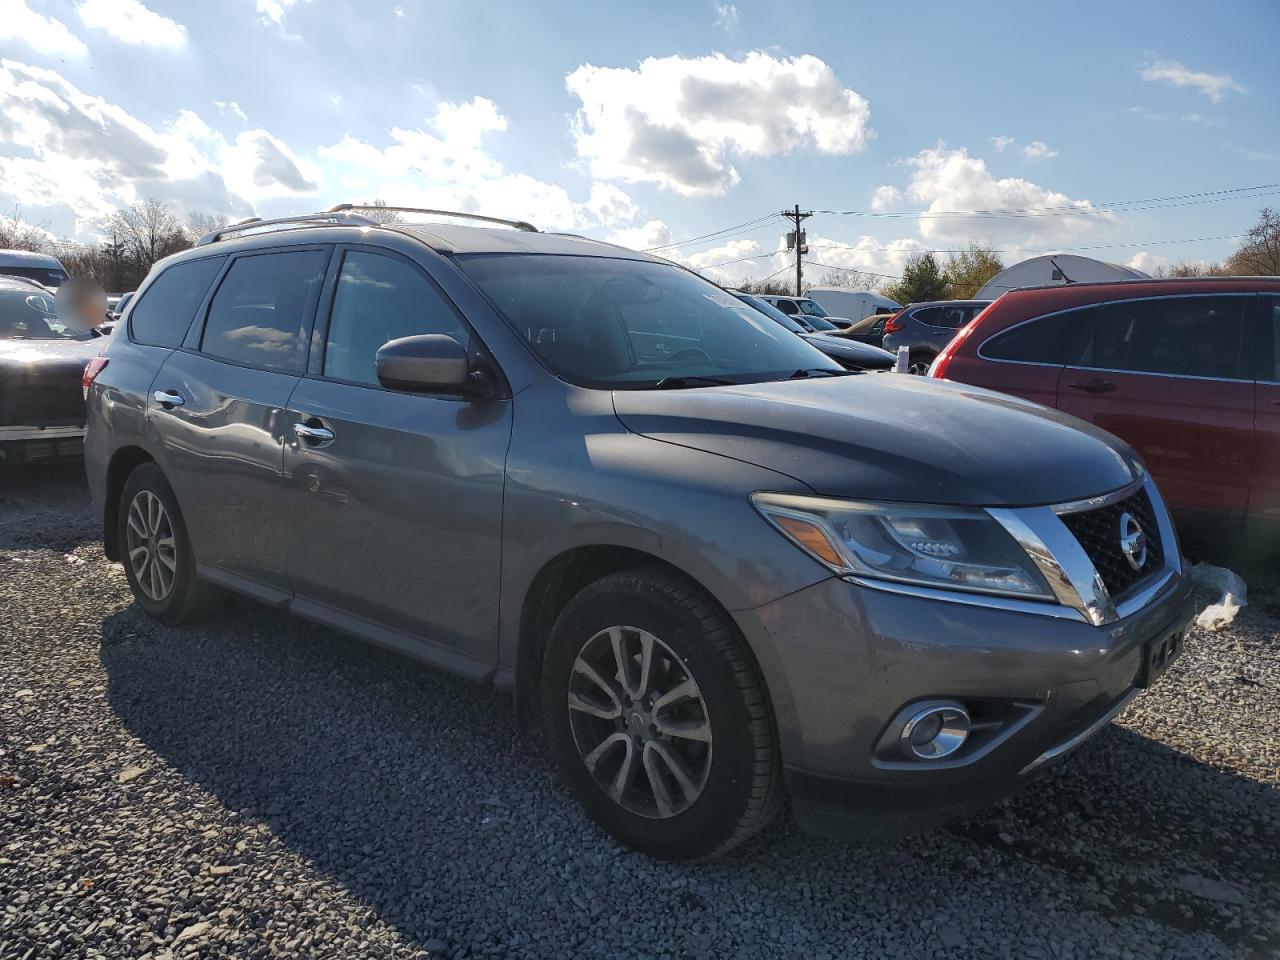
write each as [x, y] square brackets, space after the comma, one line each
[657, 718]
[918, 364]
[158, 559]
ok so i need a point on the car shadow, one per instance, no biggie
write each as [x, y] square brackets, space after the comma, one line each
[415, 790]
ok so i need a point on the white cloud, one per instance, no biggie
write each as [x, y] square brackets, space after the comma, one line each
[1146, 262]
[866, 254]
[274, 10]
[231, 108]
[610, 205]
[18, 22]
[718, 264]
[946, 180]
[727, 16]
[131, 22]
[1213, 85]
[1002, 143]
[648, 235]
[679, 122]
[886, 196]
[1038, 150]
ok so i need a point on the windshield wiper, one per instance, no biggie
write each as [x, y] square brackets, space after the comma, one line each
[673, 383]
[819, 372]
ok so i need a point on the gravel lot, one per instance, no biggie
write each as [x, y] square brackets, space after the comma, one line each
[262, 787]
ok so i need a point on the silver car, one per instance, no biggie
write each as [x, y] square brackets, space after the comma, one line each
[718, 569]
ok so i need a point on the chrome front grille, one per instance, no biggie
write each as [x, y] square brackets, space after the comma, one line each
[1099, 532]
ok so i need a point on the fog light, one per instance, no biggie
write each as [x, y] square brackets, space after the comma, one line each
[935, 730]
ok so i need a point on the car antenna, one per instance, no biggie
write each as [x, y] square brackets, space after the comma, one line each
[1065, 278]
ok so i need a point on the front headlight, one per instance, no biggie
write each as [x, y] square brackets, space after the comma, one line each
[957, 548]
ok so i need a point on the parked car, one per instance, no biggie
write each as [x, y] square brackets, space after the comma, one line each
[1186, 371]
[807, 308]
[40, 267]
[717, 567]
[869, 329]
[850, 355]
[852, 303]
[925, 328]
[41, 365]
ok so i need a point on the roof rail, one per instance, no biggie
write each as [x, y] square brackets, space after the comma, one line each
[518, 224]
[331, 218]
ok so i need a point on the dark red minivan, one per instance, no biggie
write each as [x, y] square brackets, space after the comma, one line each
[1186, 371]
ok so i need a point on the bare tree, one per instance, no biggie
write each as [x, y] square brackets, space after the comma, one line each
[198, 224]
[847, 278]
[149, 232]
[1259, 255]
[378, 212]
[17, 234]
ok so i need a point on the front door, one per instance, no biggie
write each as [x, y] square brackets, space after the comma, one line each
[397, 517]
[218, 409]
[1172, 377]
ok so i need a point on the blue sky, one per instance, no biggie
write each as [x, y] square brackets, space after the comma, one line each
[654, 123]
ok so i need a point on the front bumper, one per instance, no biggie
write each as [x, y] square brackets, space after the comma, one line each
[841, 660]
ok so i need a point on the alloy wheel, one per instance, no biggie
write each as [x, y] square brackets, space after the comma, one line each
[640, 722]
[152, 552]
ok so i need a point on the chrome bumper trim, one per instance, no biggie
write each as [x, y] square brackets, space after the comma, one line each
[39, 433]
[1068, 745]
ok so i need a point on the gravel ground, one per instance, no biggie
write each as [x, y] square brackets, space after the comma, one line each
[262, 787]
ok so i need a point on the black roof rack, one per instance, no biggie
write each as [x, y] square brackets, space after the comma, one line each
[518, 224]
[331, 218]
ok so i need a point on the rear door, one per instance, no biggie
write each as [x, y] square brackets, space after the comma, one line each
[217, 407]
[1264, 497]
[1172, 377]
[395, 530]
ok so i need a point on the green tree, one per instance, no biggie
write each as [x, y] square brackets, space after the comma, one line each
[922, 279]
[968, 270]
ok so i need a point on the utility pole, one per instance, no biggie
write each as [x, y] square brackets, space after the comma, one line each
[796, 240]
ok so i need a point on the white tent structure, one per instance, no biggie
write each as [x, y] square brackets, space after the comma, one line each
[1055, 268]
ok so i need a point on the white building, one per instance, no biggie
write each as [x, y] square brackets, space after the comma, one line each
[1055, 268]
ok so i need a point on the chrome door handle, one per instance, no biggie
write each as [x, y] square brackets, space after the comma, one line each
[168, 398]
[313, 435]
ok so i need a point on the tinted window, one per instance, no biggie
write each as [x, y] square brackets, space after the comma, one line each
[165, 311]
[49, 276]
[378, 299]
[953, 318]
[1275, 341]
[1057, 339]
[28, 314]
[632, 324]
[812, 307]
[787, 306]
[1188, 336]
[258, 313]
[928, 315]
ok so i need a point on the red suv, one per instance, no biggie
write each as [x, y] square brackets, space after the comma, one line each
[1186, 371]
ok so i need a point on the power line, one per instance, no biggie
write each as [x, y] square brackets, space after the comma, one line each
[714, 235]
[1072, 209]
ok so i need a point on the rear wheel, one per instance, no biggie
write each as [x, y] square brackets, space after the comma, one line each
[158, 560]
[657, 719]
[918, 364]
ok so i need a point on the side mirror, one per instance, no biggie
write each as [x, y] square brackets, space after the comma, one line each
[429, 363]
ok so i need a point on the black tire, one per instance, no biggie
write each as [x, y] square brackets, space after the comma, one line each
[918, 363]
[742, 789]
[189, 598]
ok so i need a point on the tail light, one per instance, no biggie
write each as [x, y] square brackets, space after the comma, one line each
[892, 325]
[938, 370]
[91, 371]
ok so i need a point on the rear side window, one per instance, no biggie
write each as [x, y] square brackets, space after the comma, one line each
[929, 316]
[164, 313]
[953, 318]
[261, 307]
[787, 306]
[1058, 339]
[1182, 336]
[379, 299]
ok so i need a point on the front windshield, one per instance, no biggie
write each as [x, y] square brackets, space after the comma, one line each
[769, 310]
[25, 315]
[813, 308]
[633, 324]
[48, 276]
[819, 325]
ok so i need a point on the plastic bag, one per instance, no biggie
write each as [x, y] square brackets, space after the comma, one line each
[1234, 595]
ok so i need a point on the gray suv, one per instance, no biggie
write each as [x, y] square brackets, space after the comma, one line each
[925, 328]
[718, 569]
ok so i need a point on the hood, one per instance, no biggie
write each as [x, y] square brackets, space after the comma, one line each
[851, 351]
[891, 437]
[48, 357]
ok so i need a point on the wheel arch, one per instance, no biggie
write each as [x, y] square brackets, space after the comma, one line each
[123, 462]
